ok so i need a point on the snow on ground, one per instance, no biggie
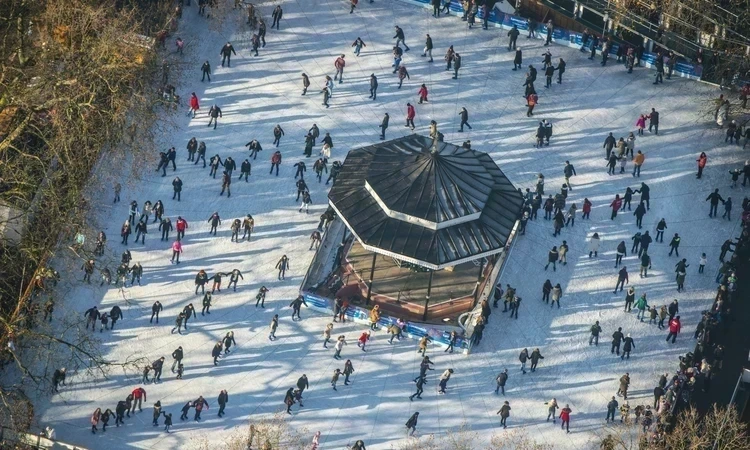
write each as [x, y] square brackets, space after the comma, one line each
[256, 93]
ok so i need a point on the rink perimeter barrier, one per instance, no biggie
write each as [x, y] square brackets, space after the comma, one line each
[562, 36]
[439, 335]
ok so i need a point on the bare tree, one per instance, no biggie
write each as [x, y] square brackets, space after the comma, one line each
[76, 88]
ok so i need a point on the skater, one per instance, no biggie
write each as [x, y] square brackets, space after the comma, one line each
[617, 337]
[536, 355]
[552, 258]
[411, 424]
[58, 378]
[176, 250]
[420, 381]
[504, 414]
[222, 401]
[501, 379]
[283, 265]
[278, 132]
[402, 73]
[226, 183]
[348, 370]
[199, 405]
[674, 329]
[296, 305]
[627, 346]
[444, 380]
[95, 418]
[340, 343]
[594, 245]
[611, 408]
[399, 37]
[523, 357]
[551, 409]
[715, 198]
[362, 341]
[277, 14]
[595, 330]
[653, 121]
[623, 389]
[556, 294]
[410, 113]
[228, 341]
[274, 325]
[383, 127]
[513, 36]
[305, 83]
[289, 400]
[214, 113]
[226, 55]
[428, 49]
[464, 114]
[260, 298]
[373, 87]
[194, 105]
[565, 418]
[358, 45]
[335, 378]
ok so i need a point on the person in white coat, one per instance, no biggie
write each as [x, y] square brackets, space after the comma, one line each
[594, 245]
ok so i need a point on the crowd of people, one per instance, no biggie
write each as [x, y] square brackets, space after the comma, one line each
[695, 368]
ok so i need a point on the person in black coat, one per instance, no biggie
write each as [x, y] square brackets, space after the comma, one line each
[216, 352]
[222, 400]
[245, 170]
[518, 60]
[177, 188]
[115, 314]
[214, 113]
[552, 258]
[546, 289]
[639, 212]
[560, 70]
[548, 73]
[513, 33]
[206, 69]
[277, 14]
[627, 346]
[715, 198]
[226, 55]
[411, 424]
[302, 384]
[653, 120]
[617, 337]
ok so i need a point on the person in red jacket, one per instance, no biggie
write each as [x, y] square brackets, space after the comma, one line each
[586, 208]
[674, 328]
[339, 64]
[275, 162]
[176, 250]
[139, 395]
[362, 341]
[616, 205]
[194, 106]
[182, 225]
[410, 113]
[531, 102]
[565, 417]
[422, 94]
[702, 159]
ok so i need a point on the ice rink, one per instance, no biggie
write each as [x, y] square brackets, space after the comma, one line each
[257, 93]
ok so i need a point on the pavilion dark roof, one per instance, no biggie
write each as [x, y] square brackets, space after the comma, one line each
[434, 204]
